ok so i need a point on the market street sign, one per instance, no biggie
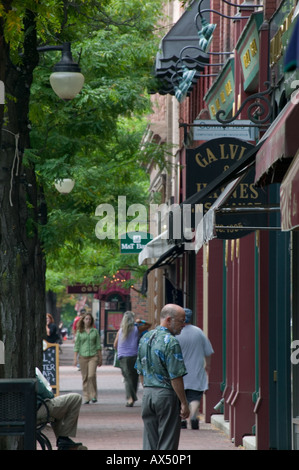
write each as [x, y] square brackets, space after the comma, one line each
[206, 129]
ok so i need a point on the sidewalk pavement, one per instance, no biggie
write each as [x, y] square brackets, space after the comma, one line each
[110, 425]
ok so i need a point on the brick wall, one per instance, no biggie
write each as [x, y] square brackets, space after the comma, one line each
[269, 8]
[138, 303]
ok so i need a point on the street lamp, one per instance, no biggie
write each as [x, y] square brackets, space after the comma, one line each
[184, 84]
[66, 79]
[205, 34]
[184, 75]
[64, 186]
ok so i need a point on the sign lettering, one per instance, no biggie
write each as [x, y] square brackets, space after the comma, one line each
[221, 93]
[276, 43]
[224, 152]
[207, 129]
[224, 92]
[247, 48]
[134, 242]
[207, 162]
[51, 365]
[250, 53]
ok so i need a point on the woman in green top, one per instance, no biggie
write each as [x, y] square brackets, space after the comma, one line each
[88, 346]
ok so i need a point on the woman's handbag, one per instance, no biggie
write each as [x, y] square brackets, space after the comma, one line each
[116, 360]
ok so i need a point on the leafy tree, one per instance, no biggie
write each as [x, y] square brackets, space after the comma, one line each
[43, 138]
[100, 150]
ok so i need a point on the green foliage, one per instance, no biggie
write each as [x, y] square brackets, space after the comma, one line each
[95, 138]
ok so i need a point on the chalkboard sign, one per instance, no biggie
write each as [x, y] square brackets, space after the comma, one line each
[51, 365]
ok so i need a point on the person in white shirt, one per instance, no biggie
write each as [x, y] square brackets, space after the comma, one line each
[197, 351]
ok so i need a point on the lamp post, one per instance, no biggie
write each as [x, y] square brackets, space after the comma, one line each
[66, 79]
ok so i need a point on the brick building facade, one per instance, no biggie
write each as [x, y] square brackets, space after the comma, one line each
[240, 288]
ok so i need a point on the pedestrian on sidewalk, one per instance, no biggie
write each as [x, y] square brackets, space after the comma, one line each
[88, 346]
[76, 321]
[197, 351]
[63, 412]
[126, 343]
[51, 329]
[74, 329]
[161, 368]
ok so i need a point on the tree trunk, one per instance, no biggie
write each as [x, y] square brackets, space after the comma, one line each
[51, 306]
[22, 265]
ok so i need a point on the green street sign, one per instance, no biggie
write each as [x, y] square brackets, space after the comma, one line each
[134, 242]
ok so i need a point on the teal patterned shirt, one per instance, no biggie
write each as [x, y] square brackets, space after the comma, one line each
[159, 358]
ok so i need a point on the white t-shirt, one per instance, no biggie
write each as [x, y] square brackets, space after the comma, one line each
[195, 347]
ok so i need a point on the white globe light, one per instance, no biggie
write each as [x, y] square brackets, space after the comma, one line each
[67, 84]
[64, 186]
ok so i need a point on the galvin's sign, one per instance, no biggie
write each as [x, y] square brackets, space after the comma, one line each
[207, 162]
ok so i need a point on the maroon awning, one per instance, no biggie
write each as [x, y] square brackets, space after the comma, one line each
[289, 197]
[281, 144]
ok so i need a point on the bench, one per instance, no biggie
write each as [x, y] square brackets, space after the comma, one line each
[18, 410]
[41, 438]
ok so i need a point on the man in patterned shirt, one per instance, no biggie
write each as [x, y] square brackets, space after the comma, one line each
[161, 368]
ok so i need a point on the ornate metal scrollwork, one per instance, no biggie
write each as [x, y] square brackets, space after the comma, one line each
[244, 5]
[261, 106]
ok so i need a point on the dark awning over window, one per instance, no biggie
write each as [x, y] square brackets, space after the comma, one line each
[289, 197]
[166, 259]
[184, 33]
[226, 221]
[275, 156]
